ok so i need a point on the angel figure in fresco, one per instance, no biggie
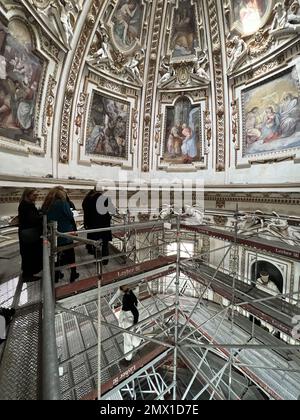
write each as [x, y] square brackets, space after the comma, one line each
[125, 15]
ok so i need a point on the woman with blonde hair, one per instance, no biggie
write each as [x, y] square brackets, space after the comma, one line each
[30, 231]
[57, 209]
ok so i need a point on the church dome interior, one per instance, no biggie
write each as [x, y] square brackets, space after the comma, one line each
[149, 200]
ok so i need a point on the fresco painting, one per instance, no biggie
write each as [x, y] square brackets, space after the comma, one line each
[20, 74]
[127, 23]
[182, 134]
[249, 15]
[108, 125]
[184, 38]
[271, 115]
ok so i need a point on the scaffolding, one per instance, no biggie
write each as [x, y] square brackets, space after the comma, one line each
[198, 331]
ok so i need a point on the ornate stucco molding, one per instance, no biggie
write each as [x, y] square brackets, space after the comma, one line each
[149, 83]
[219, 84]
[81, 47]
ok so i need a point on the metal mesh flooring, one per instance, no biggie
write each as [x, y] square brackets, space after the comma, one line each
[76, 338]
[19, 369]
[262, 363]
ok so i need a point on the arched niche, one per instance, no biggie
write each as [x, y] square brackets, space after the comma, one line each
[265, 266]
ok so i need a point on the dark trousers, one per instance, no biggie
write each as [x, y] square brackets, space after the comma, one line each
[105, 250]
[67, 257]
[135, 313]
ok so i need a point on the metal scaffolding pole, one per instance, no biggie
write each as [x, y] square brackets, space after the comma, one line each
[177, 283]
[176, 341]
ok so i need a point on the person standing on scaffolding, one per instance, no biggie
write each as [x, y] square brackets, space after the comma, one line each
[129, 316]
[95, 219]
[130, 303]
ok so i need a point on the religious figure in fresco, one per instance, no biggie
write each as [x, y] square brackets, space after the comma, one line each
[20, 72]
[182, 133]
[107, 127]
[127, 21]
[184, 36]
[272, 115]
[189, 144]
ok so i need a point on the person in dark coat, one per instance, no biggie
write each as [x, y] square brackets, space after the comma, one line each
[30, 231]
[94, 220]
[57, 209]
[130, 303]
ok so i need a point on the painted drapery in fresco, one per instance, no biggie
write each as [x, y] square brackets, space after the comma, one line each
[20, 74]
[108, 125]
[271, 115]
[127, 23]
[182, 133]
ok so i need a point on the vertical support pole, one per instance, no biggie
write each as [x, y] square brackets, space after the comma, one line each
[99, 268]
[234, 278]
[176, 309]
[53, 248]
[51, 385]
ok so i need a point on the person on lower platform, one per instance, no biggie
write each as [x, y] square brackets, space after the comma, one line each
[130, 303]
[95, 219]
[129, 316]
[57, 209]
[30, 231]
[6, 316]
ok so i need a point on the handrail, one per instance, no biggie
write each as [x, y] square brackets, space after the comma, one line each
[116, 228]
[51, 386]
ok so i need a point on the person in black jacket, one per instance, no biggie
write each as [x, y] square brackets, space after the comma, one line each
[130, 303]
[30, 231]
[93, 220]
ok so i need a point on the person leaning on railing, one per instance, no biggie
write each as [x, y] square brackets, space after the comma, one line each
[57, 209]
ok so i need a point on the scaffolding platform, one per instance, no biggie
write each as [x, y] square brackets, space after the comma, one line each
[261, 244]
[149, 269]
[266, 307]
[256, 359]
